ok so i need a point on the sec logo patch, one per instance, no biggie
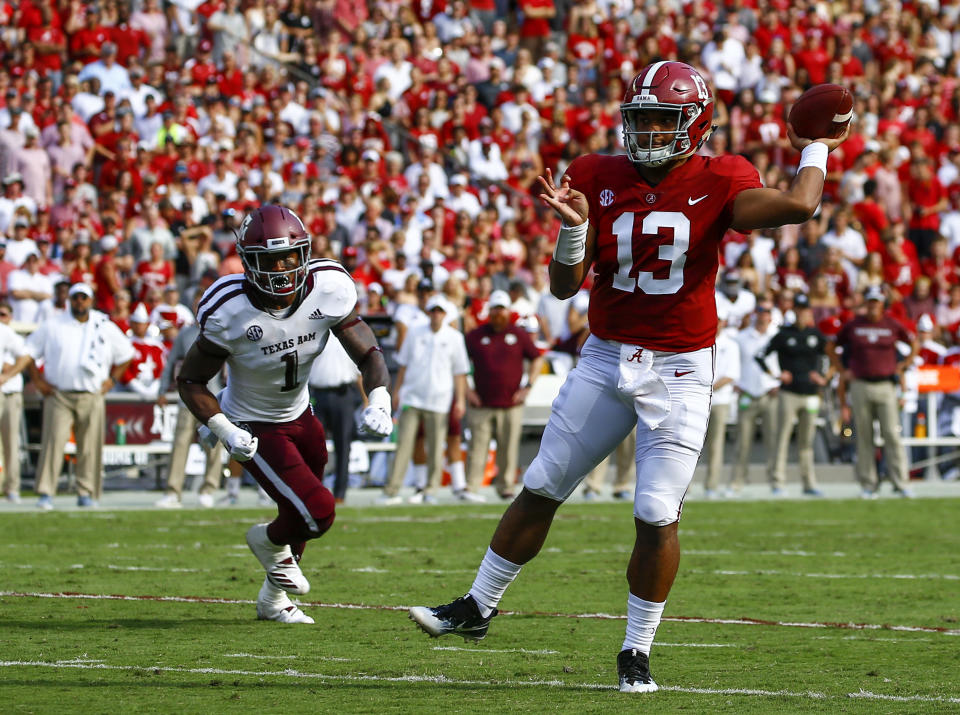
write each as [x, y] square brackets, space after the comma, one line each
[254, 333]
[606, 197]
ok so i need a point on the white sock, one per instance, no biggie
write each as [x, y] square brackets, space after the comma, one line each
[493, 577]
[233, 486]
[270, 594]
[458, 476]
[643, 617]
[420, 476]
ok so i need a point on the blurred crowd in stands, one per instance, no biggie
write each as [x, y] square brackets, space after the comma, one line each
[408, 136]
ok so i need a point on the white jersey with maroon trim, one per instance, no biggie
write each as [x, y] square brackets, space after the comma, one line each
[270, 356]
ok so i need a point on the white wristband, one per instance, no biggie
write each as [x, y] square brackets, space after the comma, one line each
[571, 246]
[814, 155]
[379, 397]
[221, 426]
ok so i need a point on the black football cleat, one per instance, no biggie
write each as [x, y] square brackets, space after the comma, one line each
[634, 670]
[462, 617]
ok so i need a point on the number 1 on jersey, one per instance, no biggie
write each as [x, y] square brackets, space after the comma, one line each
[674, 253]
[292, 361]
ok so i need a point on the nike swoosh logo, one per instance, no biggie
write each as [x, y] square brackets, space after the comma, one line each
[692, 201]
[677, 373]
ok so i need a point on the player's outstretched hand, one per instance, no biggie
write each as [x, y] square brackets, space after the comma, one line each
[799, 142]
[571, 205]
[376, 421]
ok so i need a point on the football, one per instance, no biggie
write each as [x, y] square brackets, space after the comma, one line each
[822, 112]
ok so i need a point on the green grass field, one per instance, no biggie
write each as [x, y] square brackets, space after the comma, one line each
[760, 619]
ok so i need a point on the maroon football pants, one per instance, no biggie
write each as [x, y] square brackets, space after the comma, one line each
[289, 465]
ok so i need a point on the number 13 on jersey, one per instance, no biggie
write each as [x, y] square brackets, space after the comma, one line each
[674, 253]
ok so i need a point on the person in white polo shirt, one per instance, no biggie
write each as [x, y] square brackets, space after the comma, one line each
[756, 398]
[29, 288]
[13, 356]
[433, 374]
[84, 353]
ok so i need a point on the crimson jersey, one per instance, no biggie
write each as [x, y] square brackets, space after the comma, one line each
[657, 251]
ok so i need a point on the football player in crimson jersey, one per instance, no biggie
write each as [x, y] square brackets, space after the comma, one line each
[269, 325]
[649, 224]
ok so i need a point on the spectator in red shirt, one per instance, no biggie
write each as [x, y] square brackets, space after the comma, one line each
[106, 275]
[927, 199]
[535, 28]
[86, 42]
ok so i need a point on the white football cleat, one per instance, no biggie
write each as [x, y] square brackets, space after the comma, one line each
[274, 605]
[282, 568]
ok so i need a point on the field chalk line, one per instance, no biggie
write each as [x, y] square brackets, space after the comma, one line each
[443, 680]
[545, 614]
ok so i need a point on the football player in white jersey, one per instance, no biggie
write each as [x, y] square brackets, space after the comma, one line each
[268, 325]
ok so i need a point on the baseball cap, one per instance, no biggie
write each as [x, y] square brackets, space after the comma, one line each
[375, 287]
[499, 299]
[425, 284]
[21, 222]
[12, 178]
[371, 155]
[731, 276]
[800, 300]
[434, 302]
[874, 293]
[108, 243]
[458, 180]
[80, 288]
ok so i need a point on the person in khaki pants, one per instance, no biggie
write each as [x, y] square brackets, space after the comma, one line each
[184, 433]
[756, 397]
[13, 355]
[872, 368]
[432, 376]
[84, 353]
[726, 374]
[498, 350]
[800, 350]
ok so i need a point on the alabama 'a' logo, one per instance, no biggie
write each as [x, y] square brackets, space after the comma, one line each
[254, 333]
[651, 199]
[607, 197]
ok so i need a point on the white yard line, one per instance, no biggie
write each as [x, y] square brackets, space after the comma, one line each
[493, 650]
[798, 574]
[598, 616]
[444, 680]
[286, 657]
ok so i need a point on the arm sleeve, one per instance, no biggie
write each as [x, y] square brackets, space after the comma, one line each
[121, 348]
[36, 343]
[742, 175]
[530, 351]
[461, 365]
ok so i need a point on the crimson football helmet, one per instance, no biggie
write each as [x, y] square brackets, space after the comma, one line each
[671, 87]
[265, 233]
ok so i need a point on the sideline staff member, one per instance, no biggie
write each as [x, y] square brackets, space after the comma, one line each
[870, 355]
[800, 350]
[84, 353]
